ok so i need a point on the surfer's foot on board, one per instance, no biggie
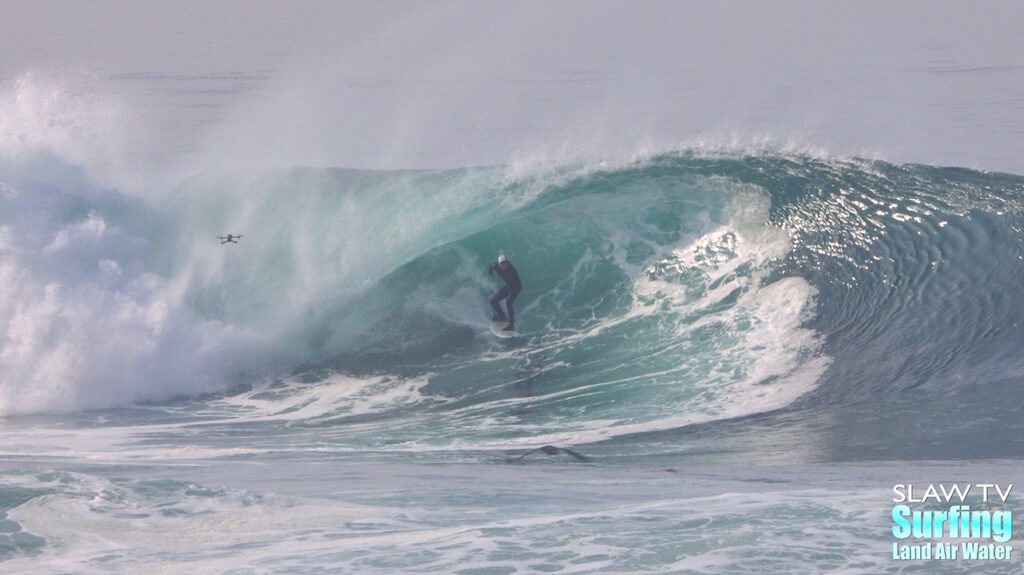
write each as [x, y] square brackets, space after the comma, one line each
[509, 327]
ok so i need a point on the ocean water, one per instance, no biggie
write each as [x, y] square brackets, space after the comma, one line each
[761, 295]
[750, 349]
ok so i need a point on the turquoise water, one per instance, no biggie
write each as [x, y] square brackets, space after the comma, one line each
[751, 348]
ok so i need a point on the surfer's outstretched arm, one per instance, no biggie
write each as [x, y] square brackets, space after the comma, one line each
[523, 456]
[551, 450]
[576, 455]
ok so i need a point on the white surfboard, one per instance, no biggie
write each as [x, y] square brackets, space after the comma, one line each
[498, 327]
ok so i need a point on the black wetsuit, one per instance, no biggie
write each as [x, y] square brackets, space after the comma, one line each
[511, 290]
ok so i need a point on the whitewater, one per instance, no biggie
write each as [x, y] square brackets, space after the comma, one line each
[326, 395]
[749, 338]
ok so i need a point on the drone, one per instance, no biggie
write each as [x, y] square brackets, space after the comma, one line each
[229, 239]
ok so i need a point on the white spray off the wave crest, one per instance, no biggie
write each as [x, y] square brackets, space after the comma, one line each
[85, 322]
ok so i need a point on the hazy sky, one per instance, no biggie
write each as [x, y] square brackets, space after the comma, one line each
[435, 84]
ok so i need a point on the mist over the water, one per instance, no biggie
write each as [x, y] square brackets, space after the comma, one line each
[394, 85]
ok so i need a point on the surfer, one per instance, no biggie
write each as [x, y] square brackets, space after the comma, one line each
[511, 290]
